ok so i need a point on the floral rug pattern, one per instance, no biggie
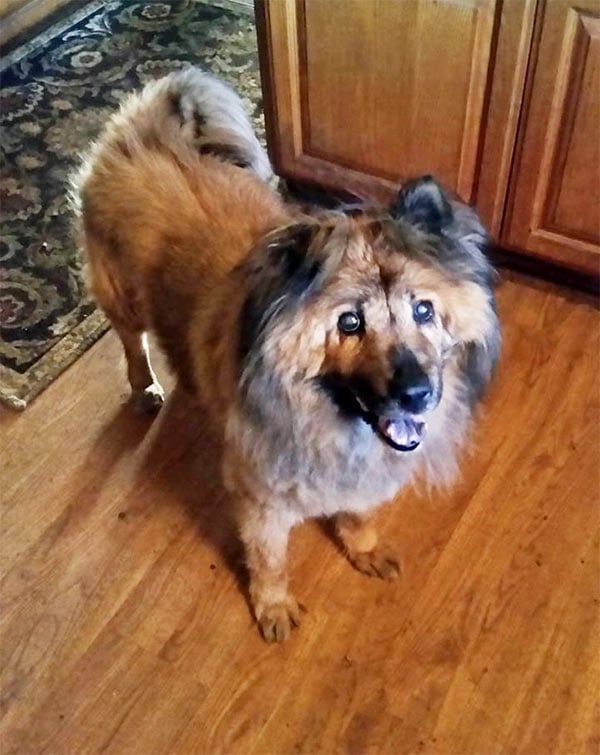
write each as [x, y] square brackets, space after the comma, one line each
[56, 93]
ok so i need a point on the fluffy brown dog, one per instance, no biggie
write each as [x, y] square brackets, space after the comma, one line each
[339, 354]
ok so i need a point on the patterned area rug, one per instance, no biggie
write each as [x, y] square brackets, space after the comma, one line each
[57, 91]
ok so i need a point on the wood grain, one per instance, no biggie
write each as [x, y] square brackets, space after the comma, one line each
[500, 100]
[123, 626]
[507, 84]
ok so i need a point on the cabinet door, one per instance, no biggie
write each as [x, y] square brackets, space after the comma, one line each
[554, 204]
[363, 94]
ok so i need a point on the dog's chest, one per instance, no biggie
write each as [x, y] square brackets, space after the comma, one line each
[353, 473]
[319, 471]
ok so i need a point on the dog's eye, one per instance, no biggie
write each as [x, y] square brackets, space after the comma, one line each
[350, 322]
[423, 311]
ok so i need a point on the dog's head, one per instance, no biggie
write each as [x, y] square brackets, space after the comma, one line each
[375, 309]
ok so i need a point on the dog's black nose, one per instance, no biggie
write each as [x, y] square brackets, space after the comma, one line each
[410, 385]
[415, 398]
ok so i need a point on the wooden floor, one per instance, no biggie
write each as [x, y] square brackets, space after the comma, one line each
[123, 623]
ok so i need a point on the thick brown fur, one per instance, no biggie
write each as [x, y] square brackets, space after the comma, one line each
[245, 295]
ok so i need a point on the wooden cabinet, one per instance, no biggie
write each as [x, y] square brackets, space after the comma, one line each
[498, 99]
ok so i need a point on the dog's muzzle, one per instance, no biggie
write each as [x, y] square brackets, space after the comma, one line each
[394, 423]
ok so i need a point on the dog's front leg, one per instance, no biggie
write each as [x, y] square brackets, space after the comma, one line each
[360, 541]
[265, 534]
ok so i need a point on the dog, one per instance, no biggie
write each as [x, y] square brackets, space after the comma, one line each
[340, 353]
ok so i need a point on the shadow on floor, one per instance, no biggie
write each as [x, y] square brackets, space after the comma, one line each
[184, 456]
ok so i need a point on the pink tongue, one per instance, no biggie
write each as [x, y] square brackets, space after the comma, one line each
[403, 431]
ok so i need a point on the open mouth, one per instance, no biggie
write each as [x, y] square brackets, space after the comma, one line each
[401, 433]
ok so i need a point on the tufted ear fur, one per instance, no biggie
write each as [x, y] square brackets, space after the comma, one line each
[452, 234]
[423, 202]
[285, 269]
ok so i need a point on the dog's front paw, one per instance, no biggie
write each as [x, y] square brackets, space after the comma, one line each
[149, 400]
[276, 620]
[379, 562]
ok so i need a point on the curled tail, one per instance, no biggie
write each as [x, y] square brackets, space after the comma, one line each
[212, 115]
[189, 110]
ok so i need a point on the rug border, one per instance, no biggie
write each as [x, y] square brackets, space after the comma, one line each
[54, 30]
[16, 390]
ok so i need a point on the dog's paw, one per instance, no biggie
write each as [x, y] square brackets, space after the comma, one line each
[277, 620]
[380, 562]
[149, 400]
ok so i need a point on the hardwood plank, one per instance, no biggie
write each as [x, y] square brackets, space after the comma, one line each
[123, 625]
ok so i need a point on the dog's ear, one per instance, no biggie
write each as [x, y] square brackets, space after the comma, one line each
[457, 241]
[286, 268]
[457, 238]
[424, 203]
[293, 259]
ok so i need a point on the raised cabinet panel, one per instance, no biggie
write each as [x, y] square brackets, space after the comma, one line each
[573, 199]
[395, 89]
[363, 94]
[555, 205]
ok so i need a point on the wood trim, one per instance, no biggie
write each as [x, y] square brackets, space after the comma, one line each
[542, 267]
[490, 170]
[317, 170]
[479, 83]
[300, 66]
[265, 62]
[523, 119]
[282, 84]
[512, 58]
[281, 38]
[550, 248]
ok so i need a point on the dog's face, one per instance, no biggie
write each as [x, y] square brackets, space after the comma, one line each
[373, 310]
[387, 339]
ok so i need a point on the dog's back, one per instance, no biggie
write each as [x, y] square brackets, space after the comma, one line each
[170, 198]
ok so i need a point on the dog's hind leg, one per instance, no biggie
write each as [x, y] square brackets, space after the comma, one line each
[360, 541]
[147, 394]
[124, 313]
